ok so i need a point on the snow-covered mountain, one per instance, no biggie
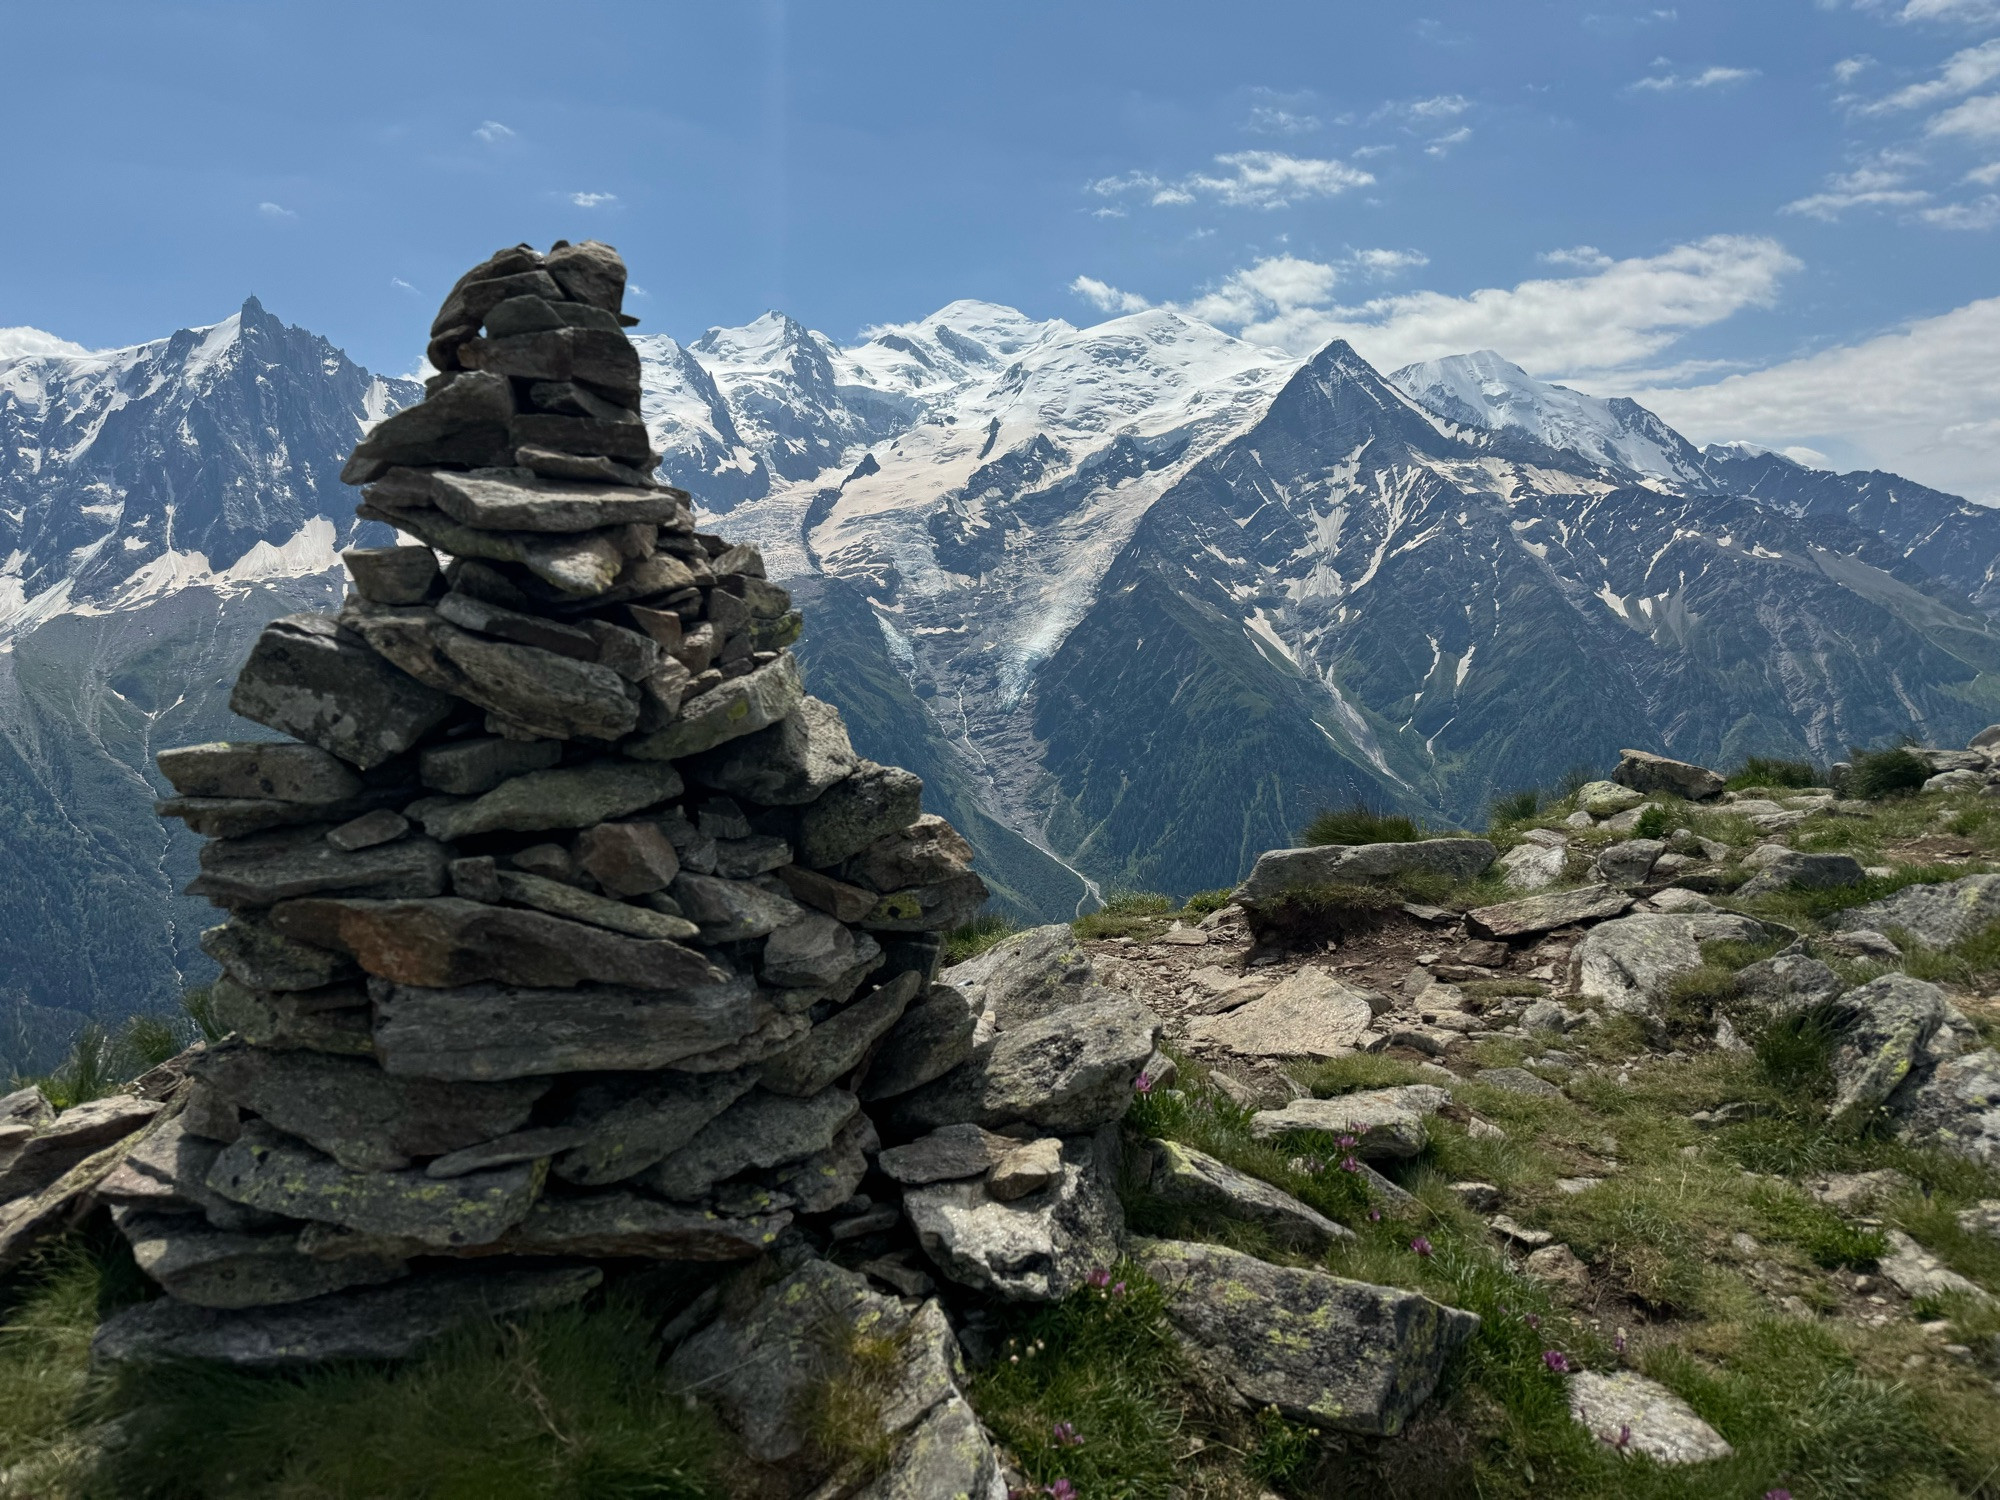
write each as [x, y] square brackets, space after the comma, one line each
[1134, 598]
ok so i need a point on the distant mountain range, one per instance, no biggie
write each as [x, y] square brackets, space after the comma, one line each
[1135, 599]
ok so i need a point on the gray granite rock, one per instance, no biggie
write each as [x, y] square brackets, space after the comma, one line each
[1026, 1169]
[930, 850]
[265, 868]
[255, 955]
[393, 575]
[1039, 1248]
[1628, 862]
[1792, 870]
[1890, 1021]
[929, 908]
[1788, 983]
[836, 1046]
[510, 501]
[310, 678]
[281, 770]
[562, 900]
[466, 768]
[390, 1322]
[1278, 871]
[1308, 1013]
[762, 1129]
[1384, 1122]
[367, 1120]
[1070, 1070]
[1025, 977]
[1957, 1107]
[209, 1267]
[492, 1031]
[273, 1172]
[43, 1152]
[933, 1036]
[1643, 771]
[786, 764]
[627, 859]
[813, 949]
[464, 422]
[334, 1020]
[1935, 915]
[871, 801]
[1629, 964]
[736, 707]
[947, 1154]
[1628, 1412]
[730, 911]
[565, 797]
[1538, 914]
[634, 1120]
[1187, 1178]
[1337, 1354]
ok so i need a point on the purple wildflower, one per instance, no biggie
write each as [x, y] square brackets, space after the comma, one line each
[1556, 1360]
[1066, 1436]
[1619, 1343]
[1533, 1320]
[1099, 1278]
[1062, 1489]
[1374, 1216]
[1347, 1143]
[1421, 1246]
[1777, 1495]
[1624, 1435]
[1349, 1164]
[1143, 1083]
[1117, 1288]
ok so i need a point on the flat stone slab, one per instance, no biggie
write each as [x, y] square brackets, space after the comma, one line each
[381, 1323]
[948, 1154]
[1385, 1122]
[281, 770]
[39, 1154]
[631, 1122]
[1536, 914]
[560, 798]
[509, 502]
[1308, 1013]
[266, 1170]
[449, 941]
[492, 1031]
[1184, 1176]
[1517, 1081]
[1917, 1273]
[292, 863]
[367, 1120]
[933, 1037]
[835, 1047]
[1338, 1354]
[210, 1267]
[740, 706]
[309, 678]
[1627, 1411]
[762, 1129]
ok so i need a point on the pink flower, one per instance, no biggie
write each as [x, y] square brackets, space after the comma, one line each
[1777, 1495]
[1624, 1436]
[1374, 1216]
[1066, 1436]
[1421, 1246]
[1349, 1164]
[1117, 1288]
[1618, 1343]
[1143, 1083]
[1099, 1278]
[1062, 1489]
[1533, 1320]
[1556, 1360]
[1347, 1143]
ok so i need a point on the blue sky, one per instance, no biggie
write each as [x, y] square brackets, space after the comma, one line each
[1772, 219]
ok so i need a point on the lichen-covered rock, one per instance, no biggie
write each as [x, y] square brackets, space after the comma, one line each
[1628, 964]
[1308, 1013]
[1038, 1248]
[1788, 983]
[762, 1129]
[210, 1267]
[1935, 915]
[1890, 1021]
[1024, 977]
[310, 678]
[1538, 914]
[1384, 1122]
[835, 1047]
[1338, 1354]
[40, 1153]
[1279, 871]
[1793, 870]
[1957, 1107]
[1181, 1175]
[930, 1039]
[1645, 772]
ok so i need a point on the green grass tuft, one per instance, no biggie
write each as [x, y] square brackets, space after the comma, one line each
[970, 939]
[1201, 903]
[1514, 807]
[1876, 774]
[1360, 824]
[1125, 914]
[1759, 770]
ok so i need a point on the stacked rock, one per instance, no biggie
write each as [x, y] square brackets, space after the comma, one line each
[565, 924]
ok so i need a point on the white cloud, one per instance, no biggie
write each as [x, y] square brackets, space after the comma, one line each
[592, 200]
[1987, 175]
[32, 343]
[1439, 107]
[1621, 313]
[400, 285]
[493, 132]
[1977, 118]
[1106, 297]
[1583, 257]
[1864, 187]
[275, 211]
[1963, 72]
[1850, 68]
[1708, 78]
[1266, 119]
[1252, 179]
[632, 288]
[1980, 213]
[1921, 401]
[1444, 143]
[1969, 11]
[1388, 262]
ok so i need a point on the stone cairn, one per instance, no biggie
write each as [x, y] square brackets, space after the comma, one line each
[566, 928]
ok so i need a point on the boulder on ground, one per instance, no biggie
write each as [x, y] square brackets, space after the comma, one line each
[1644, 772]
[1630, 963]
[1024, 977]
[1935, 915]
[1384, 1122]
[1280, 871]
[1530, 866]
[1957, 1107]
[1889, 1022]
[1188, 1178]
[1792, 870]
[1538, 914]
[1788, 983]
[1338, 1354]
[1606, 799]
[1626, 1411]
[1308, 1013]
[1629, 862]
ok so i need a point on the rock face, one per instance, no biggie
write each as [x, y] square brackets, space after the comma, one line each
[1308, 1013]
[561, 878]
[1935, 915]
[1338, 1354]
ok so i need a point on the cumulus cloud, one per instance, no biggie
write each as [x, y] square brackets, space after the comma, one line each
[1977, 119]
[1107, 298]
[1388, 262]
[1920, 400]
[1249, 179]
[1850, 68]
[1970, 12]
[32, 343]
[1619, 314]
[1708, 78]
[1980, 213]
[1973, 68]
[1878, 186]
[592, 200]
[493, 132]
[1583, 257]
